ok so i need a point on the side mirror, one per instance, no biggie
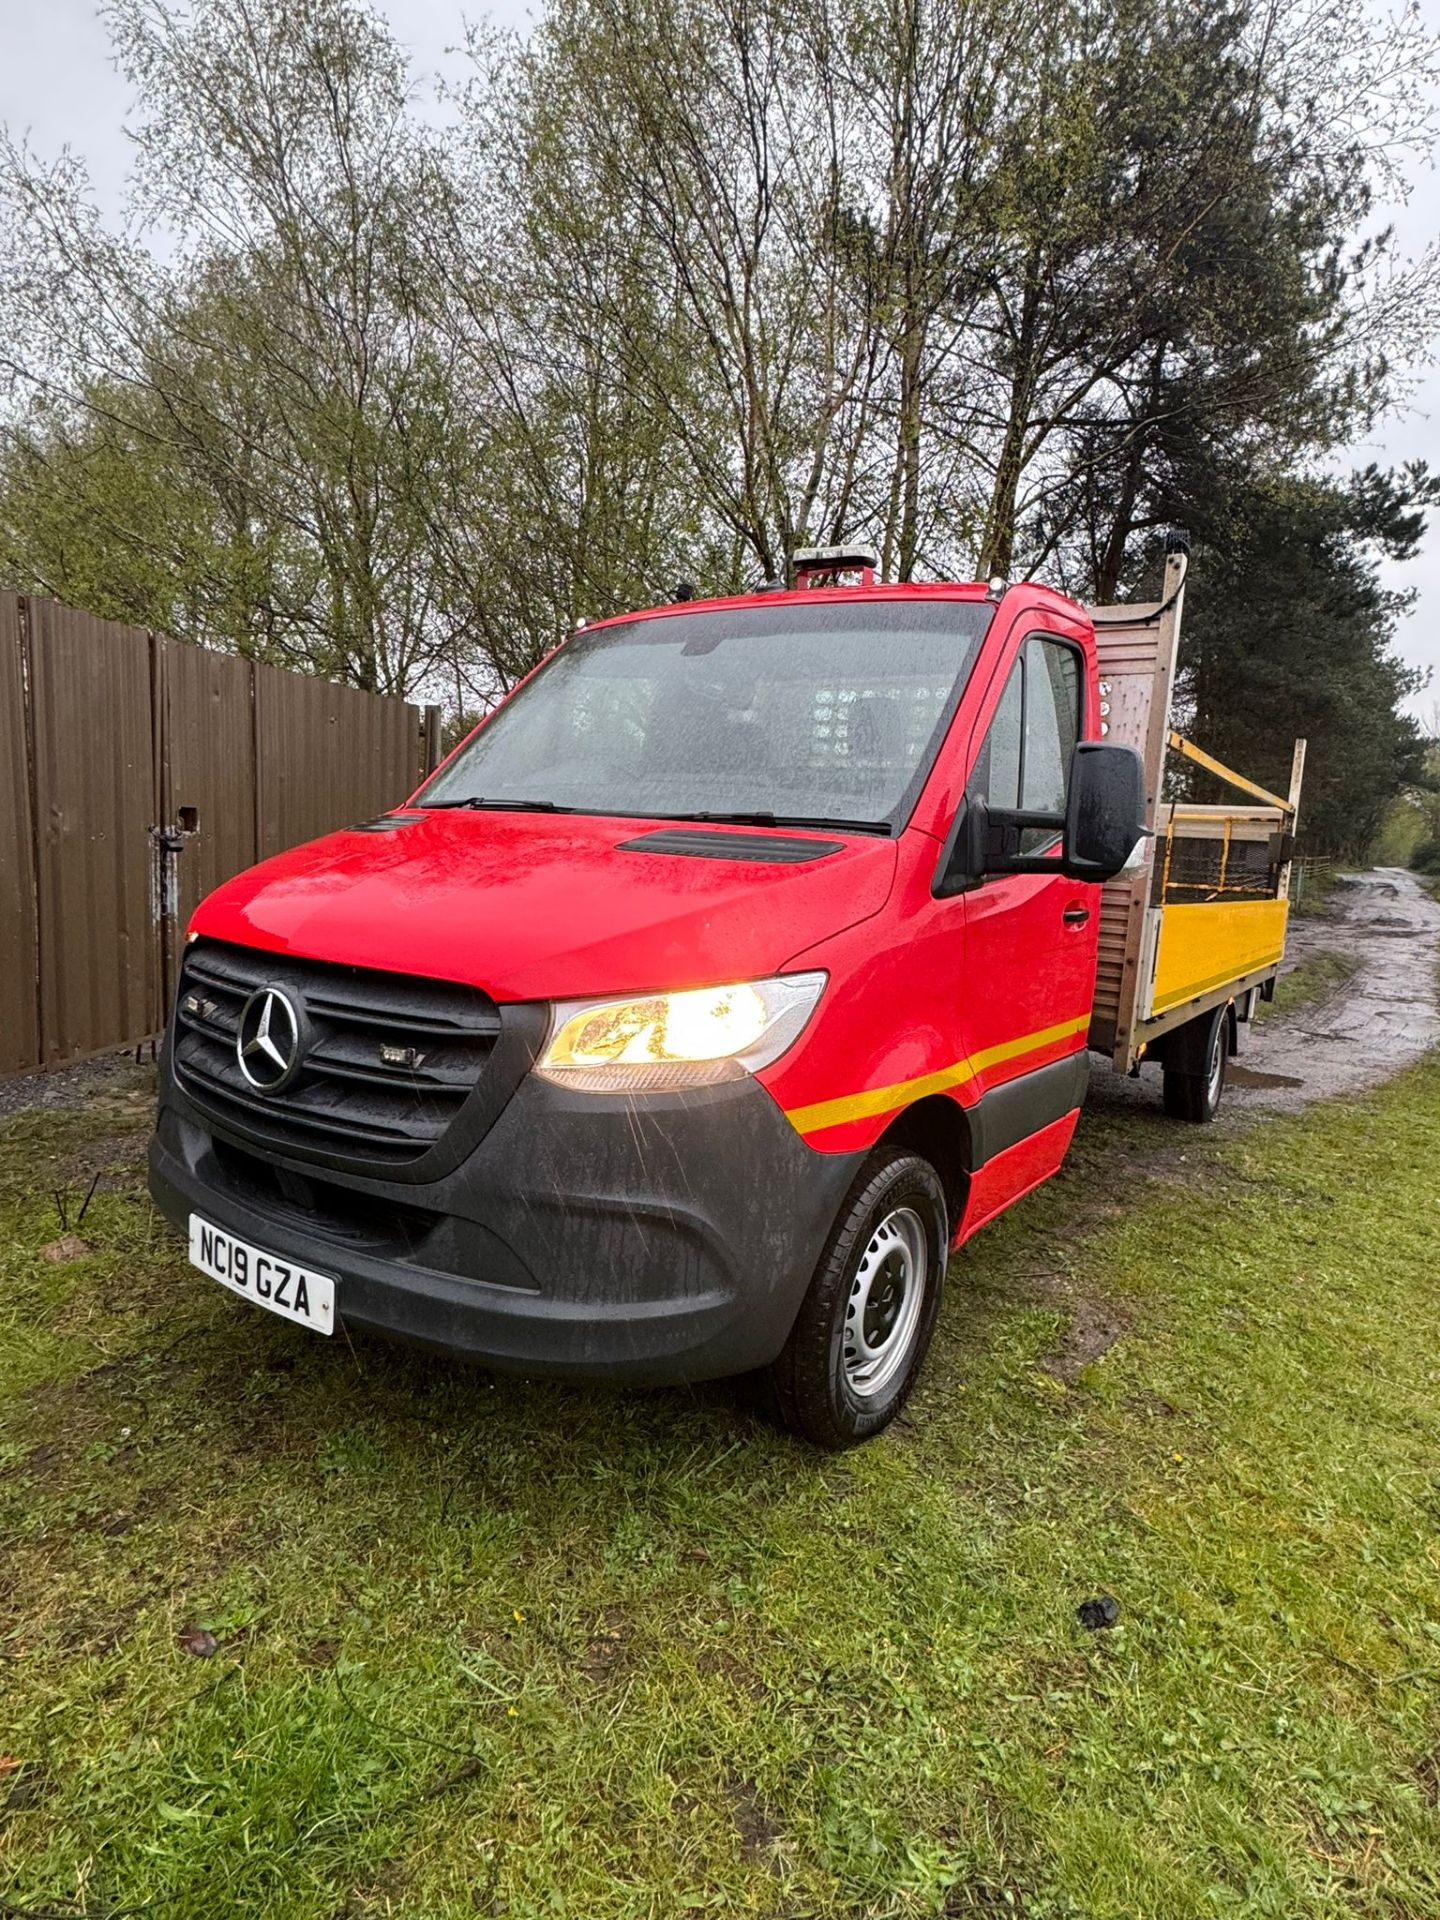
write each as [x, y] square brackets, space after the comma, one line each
[1106, 815]
[1100, 829]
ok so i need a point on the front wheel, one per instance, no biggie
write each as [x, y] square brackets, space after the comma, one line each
[866, 1322]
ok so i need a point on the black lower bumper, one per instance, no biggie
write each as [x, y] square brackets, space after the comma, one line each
[662, 1238]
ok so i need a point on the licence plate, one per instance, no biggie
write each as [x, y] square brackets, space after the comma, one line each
[294, 1292]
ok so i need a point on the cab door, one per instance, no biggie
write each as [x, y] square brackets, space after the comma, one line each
[1030, 939]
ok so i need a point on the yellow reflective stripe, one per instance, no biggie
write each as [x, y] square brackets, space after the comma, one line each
[863, 1106]
[1029, 1043]
[860, 1106]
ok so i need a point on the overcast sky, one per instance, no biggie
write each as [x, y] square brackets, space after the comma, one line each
[58, 84]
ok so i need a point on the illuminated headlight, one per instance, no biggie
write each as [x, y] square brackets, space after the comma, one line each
[688, 1039]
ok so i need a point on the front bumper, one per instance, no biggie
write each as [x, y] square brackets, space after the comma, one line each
[661, 1238]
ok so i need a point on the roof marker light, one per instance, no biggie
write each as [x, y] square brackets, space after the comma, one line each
[823, 566]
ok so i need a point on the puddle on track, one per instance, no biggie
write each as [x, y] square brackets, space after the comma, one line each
[1240, 1075]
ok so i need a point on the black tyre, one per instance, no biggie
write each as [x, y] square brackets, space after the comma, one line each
[865, 1324]
[1196, 1096]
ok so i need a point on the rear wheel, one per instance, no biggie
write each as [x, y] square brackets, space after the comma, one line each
[1195, 1096]
[865, 1324]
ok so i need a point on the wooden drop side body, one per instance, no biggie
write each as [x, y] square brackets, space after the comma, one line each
[1202, 919]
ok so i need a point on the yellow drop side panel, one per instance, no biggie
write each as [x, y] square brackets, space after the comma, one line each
[1205, 945]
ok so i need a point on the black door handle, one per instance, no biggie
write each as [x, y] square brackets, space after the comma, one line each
[1075, 916]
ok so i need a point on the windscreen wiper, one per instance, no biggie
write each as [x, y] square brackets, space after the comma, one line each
[762, 817]
[479, 804]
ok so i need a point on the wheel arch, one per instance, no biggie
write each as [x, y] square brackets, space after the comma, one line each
[939, 1130]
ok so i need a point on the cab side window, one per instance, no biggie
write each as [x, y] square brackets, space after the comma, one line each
[996, 778]
[1052, 724]
[1024, 763]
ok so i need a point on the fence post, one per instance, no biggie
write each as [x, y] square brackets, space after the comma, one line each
[432, 739]
[253, 682]
[19, 928]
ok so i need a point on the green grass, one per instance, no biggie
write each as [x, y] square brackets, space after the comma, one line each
[1313, 979]
[493, 1647]
[1311, 890]
[1406, 826]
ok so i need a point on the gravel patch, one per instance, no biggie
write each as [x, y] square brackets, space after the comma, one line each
[77, 1085]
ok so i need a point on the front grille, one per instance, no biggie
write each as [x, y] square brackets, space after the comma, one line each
[347, 1097]
[347, 1215]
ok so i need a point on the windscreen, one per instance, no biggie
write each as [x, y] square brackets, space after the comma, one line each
[807, 713]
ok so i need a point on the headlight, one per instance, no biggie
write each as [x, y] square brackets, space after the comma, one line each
[687, 1039]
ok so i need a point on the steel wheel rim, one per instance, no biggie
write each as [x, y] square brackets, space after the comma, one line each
[887, 1293]
[1217, 1064]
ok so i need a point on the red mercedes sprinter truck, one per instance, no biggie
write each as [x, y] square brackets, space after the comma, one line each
[740, 965]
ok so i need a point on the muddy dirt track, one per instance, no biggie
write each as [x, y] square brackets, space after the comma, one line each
[1369, 1027]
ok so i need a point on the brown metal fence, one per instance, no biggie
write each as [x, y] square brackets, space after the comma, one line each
[136, 773]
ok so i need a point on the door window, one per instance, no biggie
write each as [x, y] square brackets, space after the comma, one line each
[1052, 724]
[996, 779]
[1025, 760]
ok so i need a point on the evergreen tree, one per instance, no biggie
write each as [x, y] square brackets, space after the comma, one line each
[1288, 632]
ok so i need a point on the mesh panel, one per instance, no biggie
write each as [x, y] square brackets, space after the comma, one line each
[1250, 871]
